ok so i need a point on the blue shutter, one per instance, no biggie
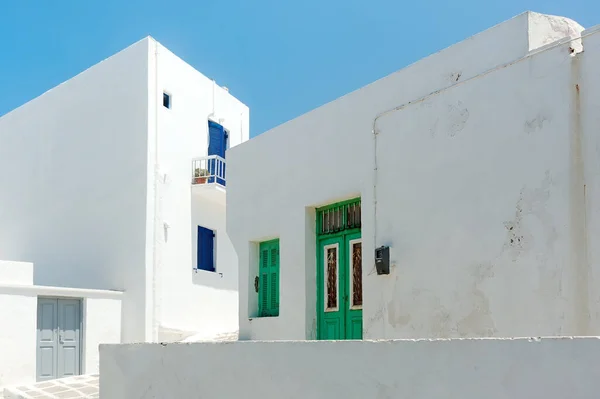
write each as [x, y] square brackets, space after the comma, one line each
[216, 139]
[217, 144]
[206, 257]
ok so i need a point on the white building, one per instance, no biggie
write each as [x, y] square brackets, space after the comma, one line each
[98, 191]
[477, 167]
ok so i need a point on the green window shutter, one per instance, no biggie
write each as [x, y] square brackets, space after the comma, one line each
[263, 293]
[274, 283]
[268, 293]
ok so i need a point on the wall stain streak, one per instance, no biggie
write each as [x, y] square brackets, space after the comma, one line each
[433, 128]
[479, 321]
[453, 77]
[312, 333]
[579, 236]
[519, 238]
[385, 391]
[395, 319]
[452, 122]
[536, 123]
[458, 115]
[476, 319]
[368, 324]
[438, 320]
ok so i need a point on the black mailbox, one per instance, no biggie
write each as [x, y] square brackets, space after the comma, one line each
[382, 260]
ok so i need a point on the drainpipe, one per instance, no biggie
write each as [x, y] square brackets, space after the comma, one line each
[375, 131]
[212, 114]
[155, 266]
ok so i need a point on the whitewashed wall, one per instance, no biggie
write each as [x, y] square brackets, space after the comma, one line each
[101, 322]
[460, 175]
[588, 98]
[17, 343]
[186, 300]
[99, 169]
[73, 195]
[467, 369]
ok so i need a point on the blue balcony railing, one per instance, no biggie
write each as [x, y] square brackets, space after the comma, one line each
[209, 169]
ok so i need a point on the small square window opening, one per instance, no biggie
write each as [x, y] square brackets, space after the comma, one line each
[167, 100]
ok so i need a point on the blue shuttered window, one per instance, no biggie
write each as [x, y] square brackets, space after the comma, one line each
[217, 139]
[206, 249]
[217, 145]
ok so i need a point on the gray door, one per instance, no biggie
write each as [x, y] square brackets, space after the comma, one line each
[59, 338]
[47, 339]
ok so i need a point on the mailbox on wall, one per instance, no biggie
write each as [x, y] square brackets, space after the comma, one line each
[382, 260]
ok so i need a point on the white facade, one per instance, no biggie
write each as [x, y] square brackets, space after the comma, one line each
[18, 308]
[481, 177]
[98, 191]
[189, 301]
[551, 368]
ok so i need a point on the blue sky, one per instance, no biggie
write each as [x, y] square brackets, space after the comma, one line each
[282, 58]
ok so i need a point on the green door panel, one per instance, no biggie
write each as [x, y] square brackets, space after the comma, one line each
[330, 291]
[353, 285]
[332, 328]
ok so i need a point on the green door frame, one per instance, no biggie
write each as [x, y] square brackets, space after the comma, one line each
[341, 321]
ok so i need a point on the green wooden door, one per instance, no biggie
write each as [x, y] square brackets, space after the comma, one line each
[332, 321]
[339, 273]
[353, 284]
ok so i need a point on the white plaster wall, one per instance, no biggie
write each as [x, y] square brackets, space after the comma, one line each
[455, 173]
[102, 325]
[73, 197]
[589, 87]
[16, 272]
[101, 322]
[17, 339]
[470, 369]
[190, 301]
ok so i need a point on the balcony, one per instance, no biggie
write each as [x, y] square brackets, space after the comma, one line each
[208, 178]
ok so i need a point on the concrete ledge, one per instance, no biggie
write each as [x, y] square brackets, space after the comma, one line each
[37, 290]
[550, 368]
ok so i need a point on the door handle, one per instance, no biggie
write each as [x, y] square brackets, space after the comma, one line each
[60, 338]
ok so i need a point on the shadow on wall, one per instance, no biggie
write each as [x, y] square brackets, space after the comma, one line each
[217, 280]
[55, 267]
[71, 274]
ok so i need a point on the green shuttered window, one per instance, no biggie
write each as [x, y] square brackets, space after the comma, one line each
[268, 292]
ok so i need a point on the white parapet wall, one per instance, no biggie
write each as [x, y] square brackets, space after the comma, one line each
[101, 322]
[494, 368]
